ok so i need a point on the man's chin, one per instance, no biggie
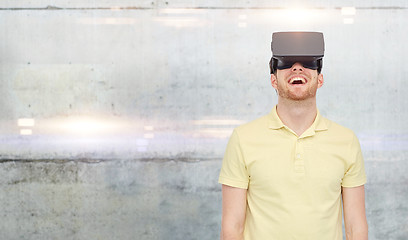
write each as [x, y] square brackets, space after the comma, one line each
[297, 94]
[300, 97]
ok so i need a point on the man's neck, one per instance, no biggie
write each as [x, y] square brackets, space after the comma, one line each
[297, 115]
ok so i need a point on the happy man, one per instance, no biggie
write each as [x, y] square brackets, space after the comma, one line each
[283, 175]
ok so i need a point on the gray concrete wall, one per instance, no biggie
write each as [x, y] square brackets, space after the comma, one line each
[131, 103]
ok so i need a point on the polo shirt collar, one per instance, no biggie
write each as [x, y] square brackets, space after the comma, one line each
[274, 120]
[319, 123]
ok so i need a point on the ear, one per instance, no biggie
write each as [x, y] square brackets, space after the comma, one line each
[274, 81]
[320, 80]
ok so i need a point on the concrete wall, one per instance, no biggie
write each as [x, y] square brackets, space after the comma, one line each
[115, 114]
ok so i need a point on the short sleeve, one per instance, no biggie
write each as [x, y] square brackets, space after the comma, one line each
[355, 175]
[233, 171]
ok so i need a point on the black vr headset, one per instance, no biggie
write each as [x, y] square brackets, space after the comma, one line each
[289, 48]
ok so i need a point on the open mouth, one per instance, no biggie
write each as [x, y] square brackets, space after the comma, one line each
[297, 80]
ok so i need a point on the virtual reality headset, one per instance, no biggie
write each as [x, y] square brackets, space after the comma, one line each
[307, 48]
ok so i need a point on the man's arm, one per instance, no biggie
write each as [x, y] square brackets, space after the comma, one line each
[355, 220]
[233, 213]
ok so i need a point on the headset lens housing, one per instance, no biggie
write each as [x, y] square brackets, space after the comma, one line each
[307, 62]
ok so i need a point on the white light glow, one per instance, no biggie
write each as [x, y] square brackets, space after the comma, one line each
[181, 17]
[109, 21]
[242, 25]
[25, 122]
[213, 133]
[242, 16]
[148, 128]
[141, 149]
[348, 11]
[294, 19]
[218, 122]
[86, 126]
[148, 135]
[181, 11]
[180, 22]
[348, 20]
[298, 15]
[120, 21]
[142, 142]
[141, 145]
[26, 132]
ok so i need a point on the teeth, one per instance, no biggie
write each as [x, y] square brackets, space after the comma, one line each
[298, 79]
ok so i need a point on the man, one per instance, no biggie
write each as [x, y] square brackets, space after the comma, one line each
[284, 174]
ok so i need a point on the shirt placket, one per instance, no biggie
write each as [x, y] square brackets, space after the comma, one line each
[299, 161]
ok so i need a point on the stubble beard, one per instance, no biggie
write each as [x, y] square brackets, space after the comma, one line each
[291, 94]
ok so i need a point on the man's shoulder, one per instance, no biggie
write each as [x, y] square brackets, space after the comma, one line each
[256, 125]
[338, 129]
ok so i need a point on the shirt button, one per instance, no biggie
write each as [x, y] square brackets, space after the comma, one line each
[299, 169]
[298, 155]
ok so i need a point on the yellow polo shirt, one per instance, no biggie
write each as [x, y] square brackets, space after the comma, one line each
[293, 182]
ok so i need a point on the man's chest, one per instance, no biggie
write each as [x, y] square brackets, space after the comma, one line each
[296, 164]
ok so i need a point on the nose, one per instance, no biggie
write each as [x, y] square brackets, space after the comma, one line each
[297, 67]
